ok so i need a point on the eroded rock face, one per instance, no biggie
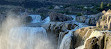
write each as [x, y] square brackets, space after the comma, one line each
[92, 43]
[105, 21]
[93, 39]
[82, 34]
[57, 17]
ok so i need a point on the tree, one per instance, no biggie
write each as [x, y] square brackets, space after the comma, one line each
[108, 5]
[101, 6]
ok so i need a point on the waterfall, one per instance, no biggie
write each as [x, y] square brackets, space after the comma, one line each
[46, 20]
[61, 35]
[36, 18]
[66, 41]
[25, 38]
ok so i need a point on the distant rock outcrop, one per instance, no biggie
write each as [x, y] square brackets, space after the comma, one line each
[57, 17]
[89, 19]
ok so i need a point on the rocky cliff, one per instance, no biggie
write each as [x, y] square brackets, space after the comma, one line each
[92, 37]
[95, 37]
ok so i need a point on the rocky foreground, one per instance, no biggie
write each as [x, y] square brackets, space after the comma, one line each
[92, 37]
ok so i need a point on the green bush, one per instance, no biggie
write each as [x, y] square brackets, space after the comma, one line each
[51, 7]
[67, 6]
[79, 14]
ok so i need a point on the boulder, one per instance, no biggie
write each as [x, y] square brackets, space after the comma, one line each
[57, 17]
[81, 19]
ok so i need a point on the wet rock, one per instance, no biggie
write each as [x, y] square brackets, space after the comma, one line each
[57, 27]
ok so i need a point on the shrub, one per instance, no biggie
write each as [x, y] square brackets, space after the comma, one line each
[79, 14]
[51, 7]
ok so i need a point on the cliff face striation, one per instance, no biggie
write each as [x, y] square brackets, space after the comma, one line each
[95, 37]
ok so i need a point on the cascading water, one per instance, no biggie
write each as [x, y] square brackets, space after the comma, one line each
[22, 37]
[36, 18]
[25, 38]
[61, 35]
[66, 41]
[46, 20]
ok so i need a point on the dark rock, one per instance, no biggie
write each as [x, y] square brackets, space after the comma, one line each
[59, 17]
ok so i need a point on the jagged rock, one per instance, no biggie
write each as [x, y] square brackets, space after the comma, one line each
[108, 41]
[57, 27]
[59, 17]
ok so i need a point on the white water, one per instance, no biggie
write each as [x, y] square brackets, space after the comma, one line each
[33, 37]
[25, 38]
[46, 20]
[66, 41]
[61, 35]
[36, 18]
[80, 25]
